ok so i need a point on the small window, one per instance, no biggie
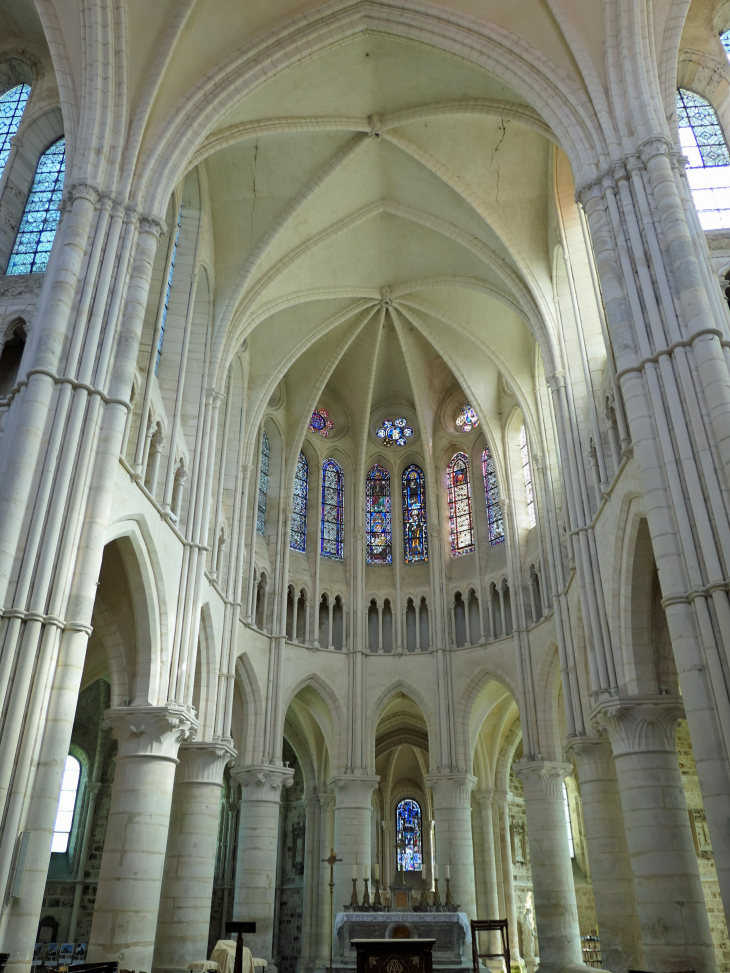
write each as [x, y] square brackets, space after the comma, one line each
[378, 524]
[460, 514]
[333, 488]
[168, 289]
[263, 485]
[408, 836]
[494, 507]
[415, 530]
[40, 216]
[12, 106]
[66, 804]
[708, 166]
[568, 825]
[527, 474]
[298, 529]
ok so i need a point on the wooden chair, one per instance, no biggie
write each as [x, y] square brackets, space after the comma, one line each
[489, 925]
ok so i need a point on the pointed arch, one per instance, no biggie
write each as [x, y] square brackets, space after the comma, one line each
[708, 167]
[324, 705]
[249, 740]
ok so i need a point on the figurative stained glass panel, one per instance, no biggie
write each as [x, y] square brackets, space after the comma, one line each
[527, 473]
[263, 485]
[415, 530]
[320, 422]
[378, 521]
[409, 836]
[40, 216]
[494, 507]
[12, 106]
[467, 418]
[298, 532]
[333, 484]
[168, 289]
[708, 159]
[725, 41]
[66, 804]
[394, 432]
[460, 513]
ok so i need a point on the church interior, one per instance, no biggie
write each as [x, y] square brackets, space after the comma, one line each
[365, 482]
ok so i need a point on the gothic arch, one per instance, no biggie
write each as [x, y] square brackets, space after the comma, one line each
[377, 708]
[250, 718]
[325, 708]
[467, 731]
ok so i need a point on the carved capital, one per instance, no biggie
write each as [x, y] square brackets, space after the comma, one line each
[593, 190]
[262, 782]
[326, 800]
[353, 790]
[451, 790]
[203, 762]
[153, 225]
[657, 145]
[542, 778]
[484, 800]
[84, 190]
[593, 757]
[637, 724]
[151, 731]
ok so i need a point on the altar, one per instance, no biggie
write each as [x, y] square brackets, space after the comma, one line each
[450, 930]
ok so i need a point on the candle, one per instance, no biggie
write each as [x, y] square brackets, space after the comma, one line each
[354, 871]
[376, 872]
[366, 872]
[435, 871]
[448, 872]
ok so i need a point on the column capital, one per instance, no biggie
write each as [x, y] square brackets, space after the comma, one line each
[484, 799]
[151, 731]
[353, 790]
[326, 800]
[203, 762]
[638, 724]
[451, 790]
[594, 758]
[542, 778]
[262, 782]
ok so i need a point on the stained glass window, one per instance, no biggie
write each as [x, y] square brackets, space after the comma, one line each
[394, 432]
[467, 418]
[12, 105]
[40, 216]
[263, 485]
[494, 508]
[333, 488]
[378, 525]
[527, 473]
[708, 166]
[66, 804]
[321, 422]
[408, 836]
[298, 532]
[168, 289]
[415, 530]
[460, 516]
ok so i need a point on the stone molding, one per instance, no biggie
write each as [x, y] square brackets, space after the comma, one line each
[594, 758]
[639, 724]
[203, 762]
[542, 778]
[451, 790]
[151, 731]
[354, 790]
[262, 782]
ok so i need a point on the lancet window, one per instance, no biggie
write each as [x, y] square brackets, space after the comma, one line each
[708, 167]
[409, 836]
[461, 522]
[378, 520]
[527, 474]
[263, 484]
[40, 217]
[494, 507]
[333, 488]
[415, 530]
[12, 106]
[298, 532]
[66, 804]
[168, 289]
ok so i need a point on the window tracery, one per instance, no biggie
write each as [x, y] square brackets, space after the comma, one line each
[320, 422]
[467, 419]
[708, 167]
[460, 512]
[38, 226]
[378, 520]
[527, 474]
[333, 483]
[66, 804]
[298, 531]
[494, 507]
[263, 484]
[415, 529]
[12, 106]
[408, 836]
[394, 432]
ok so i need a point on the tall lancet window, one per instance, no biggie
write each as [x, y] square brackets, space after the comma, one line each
[415, 530]
[461, 523]
[40, 216]
[168, 289]
[66, 804]
[408, 836]
[263, 485]
[527, 474]
[708, 168]
[333, 488]
[378, 523]
[494, 507]
[12, 106]
[298, 532]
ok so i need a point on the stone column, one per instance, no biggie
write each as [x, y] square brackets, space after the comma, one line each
[132, 865]
[613, 884]
[353, 817]
[258, 848]
[484, 801]
[508, 878]
[556, 913]
[670, 902]
[187, 886]
[454, 844]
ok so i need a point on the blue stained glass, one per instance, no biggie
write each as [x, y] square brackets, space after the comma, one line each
[461, 525]
[333, 484]
[298, 532]
[725, 41]
[408, 836]
[415, 530]
[467, 419]
[263, 485]
[394, 432]
[378, 523]
[168, 289]
[698, 115]
[40, 216]
[12, 106]
[494, 507]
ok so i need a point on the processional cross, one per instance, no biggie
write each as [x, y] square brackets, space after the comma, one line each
[331, 862]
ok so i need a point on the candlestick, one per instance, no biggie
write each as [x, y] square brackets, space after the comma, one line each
[366, 896]
[331, 862]
[354, 904]
[435, 872]
[377, 904]
[436, 899]
[448, 892]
